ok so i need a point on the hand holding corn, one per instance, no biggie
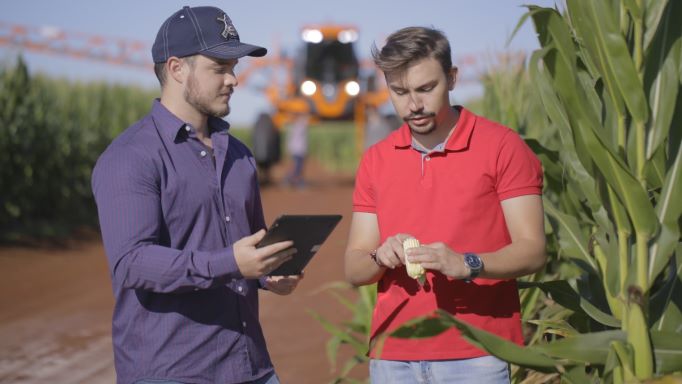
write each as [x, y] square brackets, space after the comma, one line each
[414, 270]
[390, 253]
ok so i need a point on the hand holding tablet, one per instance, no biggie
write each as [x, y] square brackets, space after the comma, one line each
[308, 232]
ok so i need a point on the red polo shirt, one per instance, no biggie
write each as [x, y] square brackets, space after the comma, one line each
[452, 197]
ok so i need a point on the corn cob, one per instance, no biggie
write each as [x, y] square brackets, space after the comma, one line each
[414, 270]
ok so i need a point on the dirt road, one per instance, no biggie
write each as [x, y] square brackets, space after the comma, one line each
[55, 304]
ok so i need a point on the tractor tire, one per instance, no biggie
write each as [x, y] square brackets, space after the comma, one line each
[266, 145]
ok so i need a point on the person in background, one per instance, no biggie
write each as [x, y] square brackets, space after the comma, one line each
[180, 215]
[377, 128]
[469, 190]
[297, 146]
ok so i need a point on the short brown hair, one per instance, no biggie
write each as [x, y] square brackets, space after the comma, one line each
[411, 44]
[160, 72]
[160, 69]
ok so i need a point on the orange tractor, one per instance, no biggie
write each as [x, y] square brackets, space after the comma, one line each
[325, 80]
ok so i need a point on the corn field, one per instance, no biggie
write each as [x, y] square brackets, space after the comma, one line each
[600, 105]
[51, 133]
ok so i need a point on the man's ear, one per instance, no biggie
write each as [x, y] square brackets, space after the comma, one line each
[452, 78]
[176, 69]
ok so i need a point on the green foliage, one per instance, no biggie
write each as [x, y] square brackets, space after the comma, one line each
[509, 98]
[354, 333]
[51, 133]
[332, 144]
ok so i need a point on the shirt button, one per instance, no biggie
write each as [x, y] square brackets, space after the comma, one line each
[187, 128]
[239, 288]
[244, 324]
[227, 218]
[203, 153]
[427, 158]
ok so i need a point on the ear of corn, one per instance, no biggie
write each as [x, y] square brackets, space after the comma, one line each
[414, 270]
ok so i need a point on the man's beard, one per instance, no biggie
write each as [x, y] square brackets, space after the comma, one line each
[202, 103]
[422, 130]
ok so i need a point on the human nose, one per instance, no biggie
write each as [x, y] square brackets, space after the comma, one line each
[231, 79]
[415, 103]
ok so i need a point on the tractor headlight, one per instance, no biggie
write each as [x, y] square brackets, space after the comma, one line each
[312, 36]
[308, 88]
[352, 88]
[347, 36]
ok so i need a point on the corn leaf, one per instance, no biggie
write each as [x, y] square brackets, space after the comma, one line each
[502, 348]
[561, 292]
[601, 35]
[590, 348]
[618, 175]
[338, 332]
[655, 9]
[429, 325]
[666, 303]
[573, 241]
[669, 210]
[668, 351]
[576, 375]
[661, 77]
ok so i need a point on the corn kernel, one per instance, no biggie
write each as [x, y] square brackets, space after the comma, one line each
[414, 270]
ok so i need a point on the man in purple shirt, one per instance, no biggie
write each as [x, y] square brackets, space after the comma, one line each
[180, 214]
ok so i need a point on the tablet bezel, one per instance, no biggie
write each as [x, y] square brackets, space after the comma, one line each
[308, 232]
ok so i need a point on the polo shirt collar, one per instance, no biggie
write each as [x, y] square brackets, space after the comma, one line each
[457, 141]
[173, 129]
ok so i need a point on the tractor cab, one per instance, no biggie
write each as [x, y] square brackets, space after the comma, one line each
[328, 70]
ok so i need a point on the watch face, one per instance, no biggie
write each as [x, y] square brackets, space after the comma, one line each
[473, 261]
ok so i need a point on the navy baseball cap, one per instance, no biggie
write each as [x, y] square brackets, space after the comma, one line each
[201, 30]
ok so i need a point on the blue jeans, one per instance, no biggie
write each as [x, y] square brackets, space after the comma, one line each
[267, 379]
[478, 370]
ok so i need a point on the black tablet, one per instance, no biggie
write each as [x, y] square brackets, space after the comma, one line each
[308, 232]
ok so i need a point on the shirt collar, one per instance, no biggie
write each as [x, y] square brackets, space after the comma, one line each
[457, 141]
[173, 129]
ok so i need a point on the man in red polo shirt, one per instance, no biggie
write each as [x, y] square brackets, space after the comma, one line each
[470, 191]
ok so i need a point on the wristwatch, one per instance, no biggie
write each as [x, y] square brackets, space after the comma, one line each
[474, 263]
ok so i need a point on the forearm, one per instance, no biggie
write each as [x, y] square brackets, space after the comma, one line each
[165, 270]
[127, 189]
[360, 269]
[520, 258]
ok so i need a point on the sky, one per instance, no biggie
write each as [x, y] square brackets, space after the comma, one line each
[474, 27]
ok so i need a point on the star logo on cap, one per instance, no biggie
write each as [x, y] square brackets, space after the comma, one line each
[229, 31]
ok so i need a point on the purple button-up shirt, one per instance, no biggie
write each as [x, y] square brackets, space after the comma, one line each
[169, 215]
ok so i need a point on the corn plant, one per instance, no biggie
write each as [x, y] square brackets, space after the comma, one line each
[608, 74]
[51, 133]
[353, 333]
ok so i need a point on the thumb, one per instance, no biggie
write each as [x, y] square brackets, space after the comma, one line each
[403, 236]
[255, 238]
